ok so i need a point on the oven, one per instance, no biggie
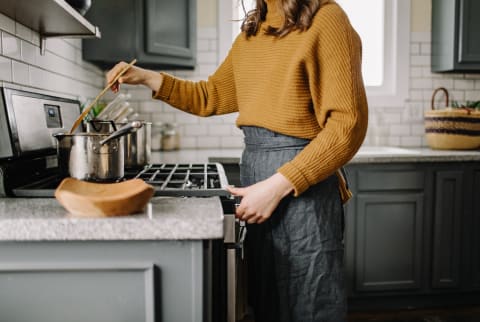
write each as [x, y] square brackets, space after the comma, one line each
[29, 169]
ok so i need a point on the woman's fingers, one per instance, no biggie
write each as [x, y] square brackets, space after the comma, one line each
[236, 191]
[112, 73]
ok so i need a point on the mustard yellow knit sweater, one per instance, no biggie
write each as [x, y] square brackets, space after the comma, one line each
[307, 84]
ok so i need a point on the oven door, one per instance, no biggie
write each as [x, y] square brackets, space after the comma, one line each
[225, 274]
[234, 237]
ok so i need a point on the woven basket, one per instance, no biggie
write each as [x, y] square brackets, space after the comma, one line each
[452, 128]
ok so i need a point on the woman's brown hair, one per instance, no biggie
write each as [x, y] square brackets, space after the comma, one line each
[297, 14]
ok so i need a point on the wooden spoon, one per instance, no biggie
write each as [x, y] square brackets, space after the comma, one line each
[89, 107]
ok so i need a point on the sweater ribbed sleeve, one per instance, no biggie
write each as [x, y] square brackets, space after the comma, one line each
[339, 101]
[204, 98]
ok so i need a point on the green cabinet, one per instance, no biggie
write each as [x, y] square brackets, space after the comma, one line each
[411, 234]
[448, 217]
[475, 214]
[384, 229]
[102, 281]
[455, 41]
[160, 34]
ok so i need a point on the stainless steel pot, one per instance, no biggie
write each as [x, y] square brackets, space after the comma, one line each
[93, 156]
[81, 156]
[138, 146]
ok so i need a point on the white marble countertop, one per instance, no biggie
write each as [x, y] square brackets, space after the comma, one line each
[366, 154]
[37, 219]
[167, 218]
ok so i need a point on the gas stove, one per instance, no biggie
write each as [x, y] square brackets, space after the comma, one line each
[176, 180]
[29, 169]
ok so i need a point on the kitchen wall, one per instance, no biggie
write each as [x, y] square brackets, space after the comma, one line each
[394, 126]
[61, 71]
[403, 125]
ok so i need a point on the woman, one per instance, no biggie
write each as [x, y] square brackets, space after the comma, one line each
[294, 76]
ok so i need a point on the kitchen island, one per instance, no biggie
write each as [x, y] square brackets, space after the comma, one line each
[152, 266]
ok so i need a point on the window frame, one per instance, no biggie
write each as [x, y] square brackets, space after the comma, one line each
[395, 90]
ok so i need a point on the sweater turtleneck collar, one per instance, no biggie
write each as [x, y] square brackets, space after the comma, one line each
[274, 17]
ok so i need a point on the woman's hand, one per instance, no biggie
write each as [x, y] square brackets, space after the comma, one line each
[260, 200]
[134, 75]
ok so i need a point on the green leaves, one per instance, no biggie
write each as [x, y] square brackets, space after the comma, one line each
[468, 105]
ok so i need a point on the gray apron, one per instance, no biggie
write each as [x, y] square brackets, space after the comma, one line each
[295, 258]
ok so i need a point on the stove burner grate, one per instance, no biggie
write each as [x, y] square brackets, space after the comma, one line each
[178, 180]
[183, 179]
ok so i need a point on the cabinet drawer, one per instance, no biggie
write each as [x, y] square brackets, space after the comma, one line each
[390, 180]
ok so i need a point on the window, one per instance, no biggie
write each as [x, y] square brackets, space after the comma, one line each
[385, 40]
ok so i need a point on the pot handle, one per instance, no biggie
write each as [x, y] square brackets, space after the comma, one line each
[96, 121]
[124, 130]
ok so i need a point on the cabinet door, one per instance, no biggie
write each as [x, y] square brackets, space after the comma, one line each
[109, 281]
[388, 241]
[447, 219]
[455, 41]
[476, 230]
[118, 39]
[469, 25]
[160, 34]
[170, 35]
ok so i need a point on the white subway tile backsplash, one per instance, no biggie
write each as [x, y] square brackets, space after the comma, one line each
[196, 130]
[455, 96]
[419, 60]
[442, 82]
[393, 141]
[20, 73]
[463, 84]
[418, 129]
[425, 48]
[213, 45]
[23, 32]
[5, 69]
[77, 43]
[472, 95]
[472, 76]
[229, 118]
[220, 130]
[60, 47]
[416, 72]
[208, 142]
[400, 130]
[415, 49]
[411, 141]
[427, 72]
[231, 142]
[203, 45]
[151, 106]
[11, 46]
[188, 143]
[7, 24]
[206, 58]
[29, 52]
[207, 33]
[421, 83]
[416, 95]
[163, 117]
[185, 118]
[205, 70]
[424, 37]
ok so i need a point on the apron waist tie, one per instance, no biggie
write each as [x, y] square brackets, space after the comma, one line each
[258, 139]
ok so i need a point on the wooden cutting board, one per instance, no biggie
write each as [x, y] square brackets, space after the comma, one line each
[88, 199]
